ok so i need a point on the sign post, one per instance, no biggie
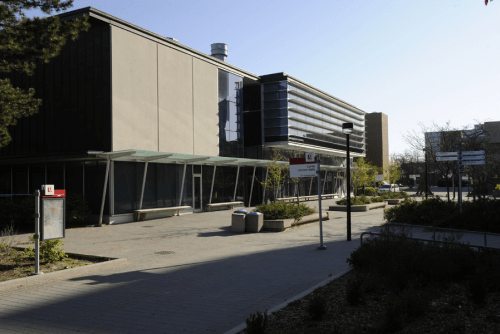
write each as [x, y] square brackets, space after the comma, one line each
[465, 158]
[310, 166]
[37, 233]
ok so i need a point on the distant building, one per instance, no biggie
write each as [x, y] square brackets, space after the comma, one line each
[377, 138]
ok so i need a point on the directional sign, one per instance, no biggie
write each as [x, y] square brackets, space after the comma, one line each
[468, 163]
[446, 154]
[446, 158]
[473, 157]
[305, 170]
[310, 157]
[472, 152]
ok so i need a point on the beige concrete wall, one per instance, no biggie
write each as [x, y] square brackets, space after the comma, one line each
[163, 99]
[206, 119]
[134, 92]
[175, 87]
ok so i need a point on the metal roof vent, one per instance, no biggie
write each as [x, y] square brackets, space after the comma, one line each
[219, 51]
[173, 39]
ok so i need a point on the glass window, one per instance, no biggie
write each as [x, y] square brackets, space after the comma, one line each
[20, 179]
[37, 178]
[5, 177]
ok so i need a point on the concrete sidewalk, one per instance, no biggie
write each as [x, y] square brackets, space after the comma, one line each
[186, 274]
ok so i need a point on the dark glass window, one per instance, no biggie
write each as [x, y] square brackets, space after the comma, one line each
[37, 177]
[5, 177]
[95, 172]
[20, 179]
[74, 178]
[127, 183]
[55, 175]
[230, 115]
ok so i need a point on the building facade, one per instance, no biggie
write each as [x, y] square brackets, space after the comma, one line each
[377, 135]
[133, 120]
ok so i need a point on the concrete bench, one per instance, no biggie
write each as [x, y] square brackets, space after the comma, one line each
[141, 215]
[286, 199]
[228, 204]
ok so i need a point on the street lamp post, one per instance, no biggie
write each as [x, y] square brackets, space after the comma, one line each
[347, 129]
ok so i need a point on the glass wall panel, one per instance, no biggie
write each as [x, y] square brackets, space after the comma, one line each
[5, 180]
[166, 185]
[95, 172]
[74, 178]
[20, 180]
[55, 175]
[206, 183]
[37, 177]
[230, 114]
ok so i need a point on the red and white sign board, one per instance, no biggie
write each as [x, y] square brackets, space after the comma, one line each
[310, 157]
[299, 167]
[47, 190]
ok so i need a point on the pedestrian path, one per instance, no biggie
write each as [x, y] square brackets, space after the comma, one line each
[186, 274]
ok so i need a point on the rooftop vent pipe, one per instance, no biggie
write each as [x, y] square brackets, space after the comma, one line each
[219, 51]
[173, 39]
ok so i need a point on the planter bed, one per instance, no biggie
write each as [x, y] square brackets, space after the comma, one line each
[359, 208]
[100, 263]
[393, 201]
[279, 225]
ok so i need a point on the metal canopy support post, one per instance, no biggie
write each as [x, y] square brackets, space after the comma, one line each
[108, 157]
[182, 184]
[236, 184]
[143, 184]
[212, 188]
[311, 185]
[265, 185]
[348, 191]
[104, 191]
[251, 187]
[324, 182]
[459, 149]
[321, 245]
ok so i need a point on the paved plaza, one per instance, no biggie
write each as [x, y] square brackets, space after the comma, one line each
[186, 274]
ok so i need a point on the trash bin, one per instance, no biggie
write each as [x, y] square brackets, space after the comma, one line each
[238, 223]
[241, 211]
[254, 222]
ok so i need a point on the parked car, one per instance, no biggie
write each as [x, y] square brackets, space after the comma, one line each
[387, 187]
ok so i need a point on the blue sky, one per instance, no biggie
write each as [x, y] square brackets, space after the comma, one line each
[416, 61]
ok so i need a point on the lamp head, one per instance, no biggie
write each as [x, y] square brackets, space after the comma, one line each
[347, 128]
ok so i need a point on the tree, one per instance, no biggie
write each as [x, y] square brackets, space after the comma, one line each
[277, 172]
[392, 171]
[486, 2]
[363, 175]
[24, 42]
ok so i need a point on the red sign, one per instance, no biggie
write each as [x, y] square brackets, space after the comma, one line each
[57, 193]
[301, 161]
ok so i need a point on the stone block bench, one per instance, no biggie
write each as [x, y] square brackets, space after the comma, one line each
[359, 208]
[141, 215]
[230, 205]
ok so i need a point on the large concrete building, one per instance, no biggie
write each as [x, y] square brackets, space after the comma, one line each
[133, 120]
[377, 138]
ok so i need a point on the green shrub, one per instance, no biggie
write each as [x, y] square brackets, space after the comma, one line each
[50, 250]
[358, 200]
[281, 210]
[401, 307]
[354, 291]
[481, 215]
[257, 323]
[369, 191]
[376, 199]
[394, 195]
[317, 307]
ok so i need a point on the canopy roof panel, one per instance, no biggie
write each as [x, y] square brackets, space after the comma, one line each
[178, 158]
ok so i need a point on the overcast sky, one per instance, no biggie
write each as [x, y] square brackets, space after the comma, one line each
[416, 61]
